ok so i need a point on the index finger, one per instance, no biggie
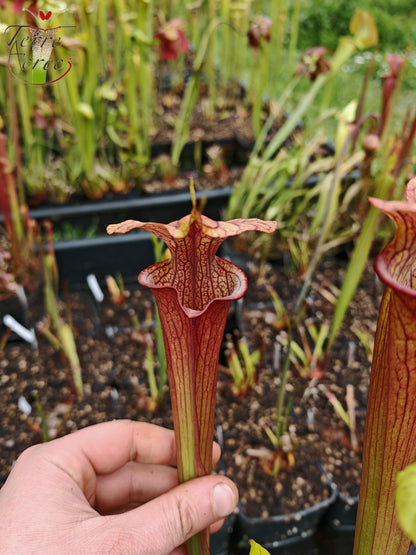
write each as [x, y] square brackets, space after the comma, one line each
[104, 448]
[110, 445]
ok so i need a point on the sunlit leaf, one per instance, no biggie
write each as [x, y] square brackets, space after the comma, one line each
[406, 500]
[86, 110]
[257, 549]
[364, 29]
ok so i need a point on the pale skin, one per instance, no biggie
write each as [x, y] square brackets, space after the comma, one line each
[112, 489]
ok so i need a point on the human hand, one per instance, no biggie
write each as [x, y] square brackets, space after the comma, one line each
[109, 488]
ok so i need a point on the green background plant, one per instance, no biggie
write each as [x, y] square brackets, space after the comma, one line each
[91, 131]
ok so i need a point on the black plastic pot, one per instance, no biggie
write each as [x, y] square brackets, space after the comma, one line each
[220, 541]
[162, 208]
[194, 154]
[125, 254]
[18, 308]
[334, 542]
[342, 514]
[282, 530]
[339, 539]
[14, 307]
[102, 256]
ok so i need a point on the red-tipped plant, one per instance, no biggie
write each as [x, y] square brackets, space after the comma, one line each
[313, 62]
[59, 332]
[19, 258]
[390, 428]
[172, 39]
[390, 82]
[193, 291]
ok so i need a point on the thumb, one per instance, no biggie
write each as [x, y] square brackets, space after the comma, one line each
[166, 522]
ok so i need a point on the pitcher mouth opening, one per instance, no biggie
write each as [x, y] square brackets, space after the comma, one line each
[145, 279]
[386, 276]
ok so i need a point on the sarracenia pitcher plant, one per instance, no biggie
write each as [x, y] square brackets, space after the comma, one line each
[390, 428]
[193, 291]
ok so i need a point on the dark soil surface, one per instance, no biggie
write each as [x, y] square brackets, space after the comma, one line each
[215, 119]
[317, 437]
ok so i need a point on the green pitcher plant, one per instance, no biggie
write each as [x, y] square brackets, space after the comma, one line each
[193, 291]
[390, 428]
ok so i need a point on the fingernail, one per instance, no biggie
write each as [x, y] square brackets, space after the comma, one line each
[223, 500]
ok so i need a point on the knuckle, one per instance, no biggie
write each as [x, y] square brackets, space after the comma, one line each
[183, 518]
[186, 517]
[31, 451]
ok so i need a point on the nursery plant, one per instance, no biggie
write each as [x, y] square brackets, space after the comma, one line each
[388, 149]
[57, 330]
[273, 40]
[154, 362]
[193, 291]
[91, 119]
[288, 178]
[241, 364]
[258, 35]
[20, 264]
[191, 93]
[390, 429]
[91, 132]
[308, 361]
